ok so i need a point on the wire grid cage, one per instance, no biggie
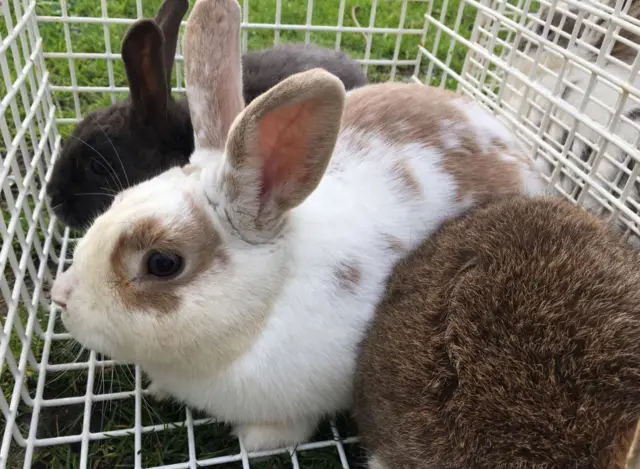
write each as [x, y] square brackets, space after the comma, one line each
[561, 74]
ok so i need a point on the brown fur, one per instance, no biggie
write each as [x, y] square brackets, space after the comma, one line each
[196, 241]
[393, 244]
[409, 113]
[408, 179]
[509, 339]
[348, 276]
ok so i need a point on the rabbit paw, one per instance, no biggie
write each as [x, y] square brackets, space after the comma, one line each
[157, 393]
[265, 436]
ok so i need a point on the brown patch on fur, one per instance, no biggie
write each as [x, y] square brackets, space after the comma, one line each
[408, 178]
[509, 339]
[196, 241]
[359, 143]
[405, 113]
[498, 145]
[413, 113]
[213, 68]
[348, 276]
[393, 244]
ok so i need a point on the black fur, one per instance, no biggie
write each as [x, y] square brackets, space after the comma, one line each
[137, 139]
[81, 187]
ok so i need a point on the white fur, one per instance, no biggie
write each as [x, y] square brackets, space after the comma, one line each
[486, 127]
[268, 340]
[376, 463]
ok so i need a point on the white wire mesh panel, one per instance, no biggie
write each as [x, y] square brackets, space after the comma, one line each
[564, 80]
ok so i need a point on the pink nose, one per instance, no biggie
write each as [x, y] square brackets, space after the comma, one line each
[63, 287]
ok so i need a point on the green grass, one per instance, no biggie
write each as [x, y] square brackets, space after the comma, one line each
[171, 446]
[91, 38]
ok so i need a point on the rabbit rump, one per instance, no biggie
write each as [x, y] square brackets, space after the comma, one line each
[262, 70]
[508, 339]
[134, 140]
[246, 278]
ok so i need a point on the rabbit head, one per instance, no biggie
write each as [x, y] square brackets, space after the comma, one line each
[509, 339]
[133, 140]
[191, 259]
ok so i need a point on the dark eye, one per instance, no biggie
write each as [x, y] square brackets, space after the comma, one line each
[163, 265]
[99, 166]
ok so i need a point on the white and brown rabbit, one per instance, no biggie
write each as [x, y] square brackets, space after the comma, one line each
[241, 283]
[508, 339]
[138, 138]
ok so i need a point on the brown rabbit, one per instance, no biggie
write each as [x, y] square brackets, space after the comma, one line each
[509, 339]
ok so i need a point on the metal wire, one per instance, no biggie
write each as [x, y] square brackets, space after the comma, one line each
[524, 86]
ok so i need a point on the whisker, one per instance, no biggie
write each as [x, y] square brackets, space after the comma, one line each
[110, 190]
[96, 193]
[113, 174]
[124, 171]
[108, 168]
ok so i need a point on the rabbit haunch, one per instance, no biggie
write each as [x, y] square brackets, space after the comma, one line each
[308, 209]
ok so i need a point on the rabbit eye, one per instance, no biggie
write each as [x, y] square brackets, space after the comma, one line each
[99, 167]
[164, 265]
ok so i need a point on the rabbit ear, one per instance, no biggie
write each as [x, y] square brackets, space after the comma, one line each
[169, 17]
[278, 150]
[213, 70]
[142, 53]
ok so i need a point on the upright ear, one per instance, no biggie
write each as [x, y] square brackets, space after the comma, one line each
[278, 151]
[142, 52]
[213, 70]
[169, 17]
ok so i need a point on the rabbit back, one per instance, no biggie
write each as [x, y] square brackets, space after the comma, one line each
[264, 69]
[511, 338]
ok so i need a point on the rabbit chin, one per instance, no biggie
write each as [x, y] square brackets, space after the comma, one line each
[98, 336]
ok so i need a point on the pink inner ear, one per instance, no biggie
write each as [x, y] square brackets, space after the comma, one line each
[283, 142]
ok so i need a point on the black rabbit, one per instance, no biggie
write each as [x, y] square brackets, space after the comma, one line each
[136, 139]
